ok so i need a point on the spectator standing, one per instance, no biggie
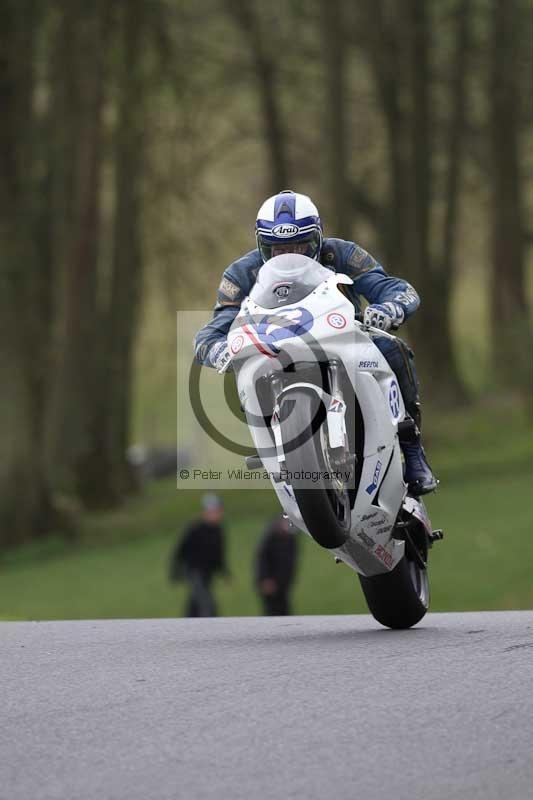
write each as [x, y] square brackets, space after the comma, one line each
[275, 567]
[199, 555]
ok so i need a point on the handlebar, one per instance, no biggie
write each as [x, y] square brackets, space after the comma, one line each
[369, 329]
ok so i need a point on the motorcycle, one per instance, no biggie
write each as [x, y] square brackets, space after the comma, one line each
[324, 410]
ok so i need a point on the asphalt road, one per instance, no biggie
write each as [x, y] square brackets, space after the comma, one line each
[300, 707]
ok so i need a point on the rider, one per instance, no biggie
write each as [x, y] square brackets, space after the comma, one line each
[289, 223]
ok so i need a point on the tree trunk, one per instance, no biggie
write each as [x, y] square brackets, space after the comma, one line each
[63, 132]
[399, 50]
[78, 378]
[245, 13]
[383, 51]
[508, 299]
[25, 503]
[335, 122]
[445, 263]
[418, 189]
[106, 474]
[431, 273]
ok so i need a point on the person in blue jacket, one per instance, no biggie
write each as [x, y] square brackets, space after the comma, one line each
[290, 223]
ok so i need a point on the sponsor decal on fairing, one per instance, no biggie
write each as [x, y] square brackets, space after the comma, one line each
[336, 405]
[384, 556]
[237, 344]
[336, 320]
[367, 541]
[394, 400]
[374, 485]
[369, 516]
[282, 291]
[272, 329]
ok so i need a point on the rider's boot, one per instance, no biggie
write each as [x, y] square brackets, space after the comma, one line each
[418, 474]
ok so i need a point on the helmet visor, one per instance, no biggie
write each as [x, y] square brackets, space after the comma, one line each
[308, 246]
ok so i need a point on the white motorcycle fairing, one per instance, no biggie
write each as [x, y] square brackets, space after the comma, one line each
[324, 319]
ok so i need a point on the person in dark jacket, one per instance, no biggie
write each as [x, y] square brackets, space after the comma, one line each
[275, 567]
[199, 555]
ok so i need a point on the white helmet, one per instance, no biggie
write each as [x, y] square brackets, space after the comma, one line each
[288, 223]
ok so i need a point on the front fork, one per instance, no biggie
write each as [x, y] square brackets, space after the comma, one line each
[334, 404]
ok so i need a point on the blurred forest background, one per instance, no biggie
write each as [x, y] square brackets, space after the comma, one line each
[137, 140]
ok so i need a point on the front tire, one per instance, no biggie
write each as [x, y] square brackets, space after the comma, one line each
[325, 508]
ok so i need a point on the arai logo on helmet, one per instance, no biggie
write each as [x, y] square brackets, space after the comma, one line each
[285, 230]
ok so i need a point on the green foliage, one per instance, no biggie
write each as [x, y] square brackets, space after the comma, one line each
[139, 139]
[120, 567]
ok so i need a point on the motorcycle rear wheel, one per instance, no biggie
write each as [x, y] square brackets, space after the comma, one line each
[325, 508]
[398, 599]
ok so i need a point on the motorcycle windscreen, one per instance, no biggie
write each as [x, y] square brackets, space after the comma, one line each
[287, 279]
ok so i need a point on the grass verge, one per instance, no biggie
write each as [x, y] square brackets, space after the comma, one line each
[119, 567]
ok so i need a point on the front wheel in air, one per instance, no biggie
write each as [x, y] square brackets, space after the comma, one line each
[323, 500]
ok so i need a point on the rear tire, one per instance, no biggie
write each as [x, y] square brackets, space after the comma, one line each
[325, 508]
[398, 599]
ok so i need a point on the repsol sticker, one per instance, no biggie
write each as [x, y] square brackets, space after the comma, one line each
[384, 556]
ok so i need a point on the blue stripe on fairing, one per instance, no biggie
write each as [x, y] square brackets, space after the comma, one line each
[290, 201]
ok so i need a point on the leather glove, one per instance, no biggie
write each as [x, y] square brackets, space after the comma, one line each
[220, 356]
[385, 316]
